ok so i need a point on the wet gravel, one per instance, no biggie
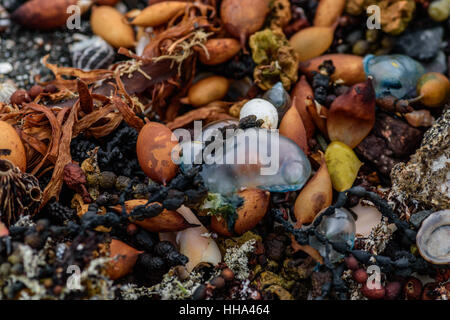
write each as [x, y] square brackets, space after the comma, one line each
[22, 50]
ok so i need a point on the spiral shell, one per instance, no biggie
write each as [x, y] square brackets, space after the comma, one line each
[92, 53]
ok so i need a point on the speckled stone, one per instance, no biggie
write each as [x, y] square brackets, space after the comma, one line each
[425, 179]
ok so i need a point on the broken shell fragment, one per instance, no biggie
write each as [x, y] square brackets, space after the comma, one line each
[312, 42]
[219, 51]
[12, 146]
[343, 165]
[254, 208]
[123, 260]
[108, 23]
[433, 238]
[166, 221]
[368, 217]
[195, 243]
[207, 90]
[242, 18]
[352, 115]
[348, 68]
[159, 13]
[263, 110]
[154, 148]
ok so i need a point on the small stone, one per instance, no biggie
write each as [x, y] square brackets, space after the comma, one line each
[5, 67]
[360, 275]
[227, 274]
[199, 293]
[421, 44]
[218, 282]
[439, 64]
[417, 218]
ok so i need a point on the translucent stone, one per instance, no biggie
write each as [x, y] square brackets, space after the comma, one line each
[396, 75]
[339, 228]
[279, 97]
[192, 150]
[255, 158]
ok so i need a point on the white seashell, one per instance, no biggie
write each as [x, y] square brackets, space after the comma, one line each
[433, 238]
[6, 90]
[263, 110]
[194, 245]
[91, 53]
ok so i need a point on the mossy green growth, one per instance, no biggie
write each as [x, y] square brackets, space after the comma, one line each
[276, 60]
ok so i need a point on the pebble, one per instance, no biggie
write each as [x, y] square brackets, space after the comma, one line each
[5, 67]
[417, 218]
[439, 64]
[421, 44]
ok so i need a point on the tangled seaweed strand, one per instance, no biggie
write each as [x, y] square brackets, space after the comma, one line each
[403, 264]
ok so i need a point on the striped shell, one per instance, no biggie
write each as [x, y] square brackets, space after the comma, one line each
[7, 88]
[92, 53]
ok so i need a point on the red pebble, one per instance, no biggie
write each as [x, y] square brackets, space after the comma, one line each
[20, 97]
[35, 91]
[373, 294]
[393, 290]
[351, 262]
[360, 275]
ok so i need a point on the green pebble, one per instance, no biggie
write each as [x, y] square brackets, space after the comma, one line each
[14, 259]
[439, 10]
[107, 179]
[122, 182]
[372, 35]
[360, 48]
[5, 268]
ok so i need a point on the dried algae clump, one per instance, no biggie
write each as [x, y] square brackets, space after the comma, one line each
[276, 60]
[425, 179]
